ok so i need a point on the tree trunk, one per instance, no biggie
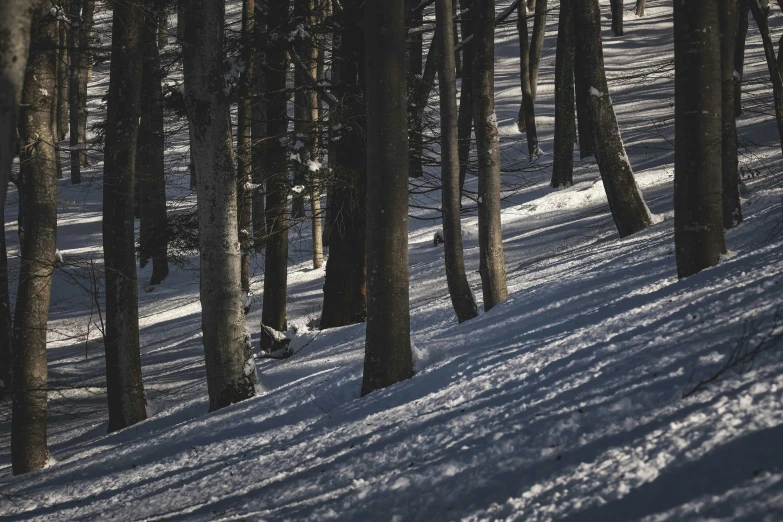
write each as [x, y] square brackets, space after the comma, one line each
[74, 103]
[640, 4]
[5, 316]
[628, 208]
[54, 116]
[739, 54]
[760, 15]
[526, 120]
[63, 80]
[455, 28]
[698, 224]
[459, 289]
[491, 267]
[465, 117]
[345, 286]
[584, 128]
[388, 357]
[85, 69]
[150, 150]
[617, 16]
[565, 124]
[537, 44]
[123, 361]
[38, 233]
[421, 94]
[231, 375]
[276, 259]
[245, 142]
[258, 130]
[732, 211]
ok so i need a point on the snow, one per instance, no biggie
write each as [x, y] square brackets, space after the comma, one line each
[563, 402]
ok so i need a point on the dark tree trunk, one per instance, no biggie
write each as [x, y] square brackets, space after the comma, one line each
[628, 208]
[74, 103]
[421, 94]
[276, 259]
[586, 145]
[5, 316]
[739, 54]
[465, 118]
[732, 212]
[123, 360]
[760, 15]
[345, 286]
[491, 266]
[231, 375]
[38, 197]
[54, 116]
[150, 149]
[245, 142]
[388, 357]
[698, 224]
[301, 14]
[85, 69]
[565, 124]
[459, 289]
[617, 16]
[537, 44]
[526, 120]
[455, 28]
[258, 130]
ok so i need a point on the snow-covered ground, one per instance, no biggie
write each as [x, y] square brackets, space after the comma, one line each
[563, 403]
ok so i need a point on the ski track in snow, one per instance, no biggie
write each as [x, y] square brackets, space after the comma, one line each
[562, 403]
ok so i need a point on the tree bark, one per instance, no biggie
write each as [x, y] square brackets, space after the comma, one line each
[276, 259]
[491, 266]
[459, 289]
[760, 15]
[640, 5]
[123, 361]
[63, 79]
[729, 19]
[739, 54]
[584, 128]
[617, 17]
[526, 120]
[628, 208]
[258, 130]
[465, 117]
[150, 150]
[75, 12]
[38, 233]
[421, 94]
[5, 316]
[537, 43]
[698, 224]
[565, 124]
[388, 358]
[345, 286]
[245, 142]
[85, 35]
[231, 375]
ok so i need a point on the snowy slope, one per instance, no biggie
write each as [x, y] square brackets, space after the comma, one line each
[562, 403]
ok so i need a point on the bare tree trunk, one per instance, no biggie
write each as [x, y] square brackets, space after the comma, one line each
[537, 44]
[565, 124]
[5, 316]
[258, 130]
[150, 150]
[760, 15]
[37, 234]
[491, 266]
[276, 259]
[85, 69]
[465, 117]
[628, 208]
[245, 142]
[586, 145]
[739, 54]
[63, 75]
[123, 360]
[421, 94]
[698, 223]
[74, 43]
[231, 375]
[345, 286]
[526, 120]
[301, 13]
[729, 19]
[54, 116]
[640, 4]
[388, 357]
[455, 28]
[617, 16]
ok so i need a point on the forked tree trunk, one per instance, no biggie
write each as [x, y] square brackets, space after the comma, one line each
[698, 223]
[617, 17]
[37, 234]
[760, 15]
[732, 211]
[127, 404]
[276, 259]
[465, 117]
[345, 286]
[628, 208]
[150, 168]
[459, 289]
[491, 265]
[526, 120]
[231, 375]
[245, 142]
[387, 357]
[565, 124]
[258, 130]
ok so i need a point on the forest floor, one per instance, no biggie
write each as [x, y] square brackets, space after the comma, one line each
[564, 402]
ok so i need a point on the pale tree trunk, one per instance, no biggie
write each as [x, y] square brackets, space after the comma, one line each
[37, 235]
[629, 210]
[231, 374]
[123, 360]
[760, 15]
[565, 124]
[465, 118]
[276, 259]
[640, 4]
[150, 164]
[345, 286]
[698, 223]
[526, 120]
[245, 141]
[491, 266]
[459, 289]
[63, 79]
[732, 211]
[258, 131]
[387, 357]
[617, 16]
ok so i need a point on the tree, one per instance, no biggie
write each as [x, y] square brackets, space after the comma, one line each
[565, 124]
[459, 289]
[640, 4]
[761, 14]
[127, 404]
[617, 17]
[465, 117]
[388, 357]
[245, 141]
[258, 129]
[5, 316]
[529, 60]
[231, 375]
[273, 314]
[491, 266]
[37, 236]
[698, 223]
[629, 210]
[739, 54]
[420, 93]
[729, 20]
